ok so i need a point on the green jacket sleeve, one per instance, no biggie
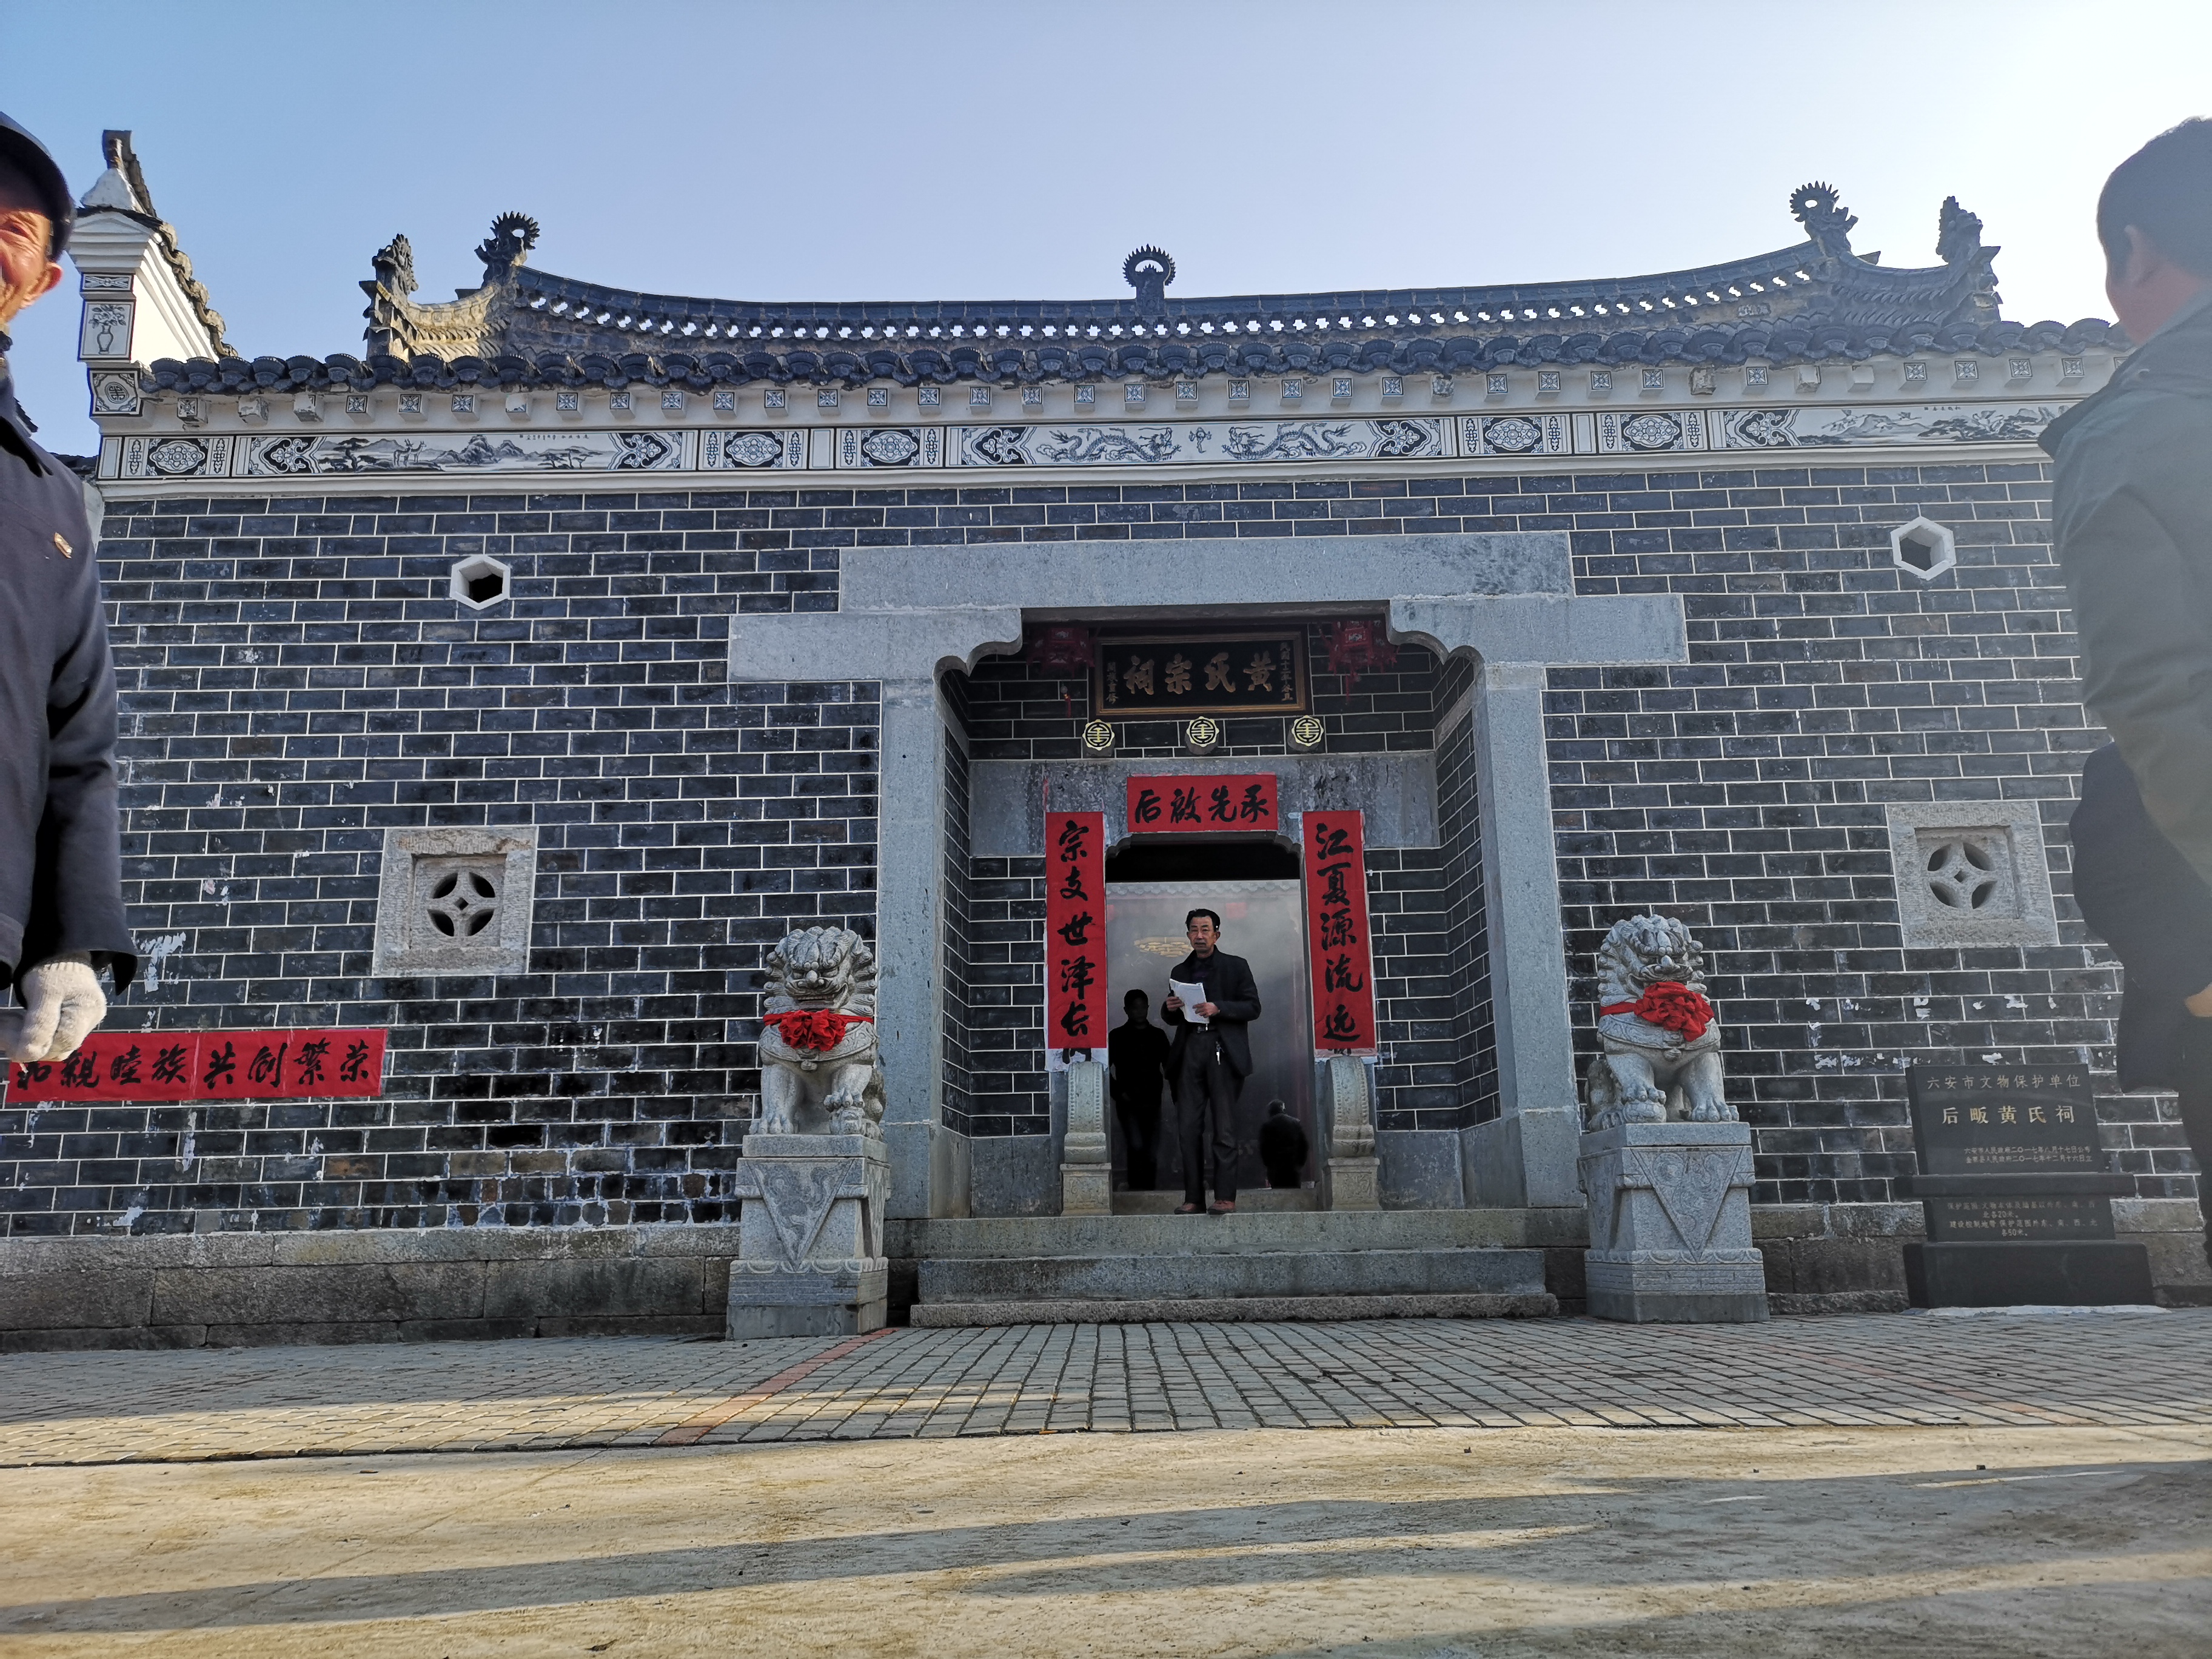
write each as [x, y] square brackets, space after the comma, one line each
[2134, 527]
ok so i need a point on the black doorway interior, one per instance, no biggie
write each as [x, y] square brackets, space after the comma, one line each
[1148, 859]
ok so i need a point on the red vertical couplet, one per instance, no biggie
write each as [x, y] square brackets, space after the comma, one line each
[1074, 936]
[1336, 933]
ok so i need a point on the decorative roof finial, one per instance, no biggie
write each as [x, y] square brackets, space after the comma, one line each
[1958, 233]
[1815, 207]
[512, 236]
[1149, 271]
[394, 264]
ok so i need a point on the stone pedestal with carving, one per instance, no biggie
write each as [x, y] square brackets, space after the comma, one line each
[1671, 1224]
[1086, 1160]
[811, 1237]
[1351, 1177]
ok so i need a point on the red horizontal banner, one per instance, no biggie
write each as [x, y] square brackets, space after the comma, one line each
[1208, 801]
[208, 1066]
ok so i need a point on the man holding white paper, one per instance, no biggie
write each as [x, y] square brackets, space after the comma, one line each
[1214, 997]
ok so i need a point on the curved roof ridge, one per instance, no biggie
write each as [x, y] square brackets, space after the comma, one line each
[1789, 262]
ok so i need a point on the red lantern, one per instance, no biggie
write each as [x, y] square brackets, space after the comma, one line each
[1356, 648]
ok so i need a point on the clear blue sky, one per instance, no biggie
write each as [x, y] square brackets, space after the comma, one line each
[870, 149]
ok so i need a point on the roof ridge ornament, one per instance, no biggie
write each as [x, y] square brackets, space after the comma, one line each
[394, 265]
[1816, 207]
[512, 236]
[1149, 271]
[1959, 234]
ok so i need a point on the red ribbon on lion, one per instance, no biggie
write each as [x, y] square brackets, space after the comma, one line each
[815, 1028]
[1670, 1005]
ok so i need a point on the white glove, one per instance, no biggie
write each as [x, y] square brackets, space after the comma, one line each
[62, 1004]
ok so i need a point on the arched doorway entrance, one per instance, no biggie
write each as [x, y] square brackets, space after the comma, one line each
[1252, 882]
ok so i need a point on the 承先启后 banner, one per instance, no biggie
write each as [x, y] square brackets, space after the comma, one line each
[1203, 802]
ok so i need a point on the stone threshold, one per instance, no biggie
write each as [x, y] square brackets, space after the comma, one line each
[1232, 1309]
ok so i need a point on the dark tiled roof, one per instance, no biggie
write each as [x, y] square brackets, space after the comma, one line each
[1812, 342]
[1814, 301]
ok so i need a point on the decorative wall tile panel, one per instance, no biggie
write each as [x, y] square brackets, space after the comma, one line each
[891, 445]
[298, 455]
[1539, 433]
[115, 392]
[752, 451]
[1931, 425]
[1648, 431]
[1163, 443]
[182, 455]
[106, 330]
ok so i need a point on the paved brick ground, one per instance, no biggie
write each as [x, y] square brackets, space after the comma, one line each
[2006, 1369]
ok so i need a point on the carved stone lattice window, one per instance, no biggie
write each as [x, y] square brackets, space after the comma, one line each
[455, 901]
[1970, 873]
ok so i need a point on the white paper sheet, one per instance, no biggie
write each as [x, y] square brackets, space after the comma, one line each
[1192, 995]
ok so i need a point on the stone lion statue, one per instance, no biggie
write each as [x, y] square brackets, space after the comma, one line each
[1662, 1040]
[819, 1073]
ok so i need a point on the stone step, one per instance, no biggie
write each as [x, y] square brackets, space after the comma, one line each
[1157, 1311]
[1243, 1233]
[1516, 1275]
[1266, 1200]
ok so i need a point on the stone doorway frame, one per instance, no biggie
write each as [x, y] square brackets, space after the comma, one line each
[908, 614]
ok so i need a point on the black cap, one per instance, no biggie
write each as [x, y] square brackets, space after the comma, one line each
[29, 156]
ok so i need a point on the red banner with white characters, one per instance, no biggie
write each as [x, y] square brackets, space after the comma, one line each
[1342, 965]
[310, 1065]
[1207, 801]
[1074, 937]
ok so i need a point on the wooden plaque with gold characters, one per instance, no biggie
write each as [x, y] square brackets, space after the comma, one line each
[1174, 677]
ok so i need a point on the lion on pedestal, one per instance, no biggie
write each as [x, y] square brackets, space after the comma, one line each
[1662, 1040]
[819, 1072]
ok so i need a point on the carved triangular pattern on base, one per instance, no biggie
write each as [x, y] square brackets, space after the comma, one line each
[798, 1199]
[1692, 1185]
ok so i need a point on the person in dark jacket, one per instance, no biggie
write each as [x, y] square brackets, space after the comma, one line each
[1208, 1064]
[2133, 490]
[1137, 1062]
[61, 881]
[2133, 517]
[1283, 1147]
[2140, 897]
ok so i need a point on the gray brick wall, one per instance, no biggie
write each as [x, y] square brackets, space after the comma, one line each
[294, 680]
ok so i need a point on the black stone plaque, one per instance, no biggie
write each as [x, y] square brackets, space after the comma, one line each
[2016, 1191]
[1995, 1119]
[1175, 677]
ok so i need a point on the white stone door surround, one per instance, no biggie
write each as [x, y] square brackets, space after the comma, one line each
[908, 614]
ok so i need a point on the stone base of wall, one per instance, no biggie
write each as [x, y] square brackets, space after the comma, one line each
[239, 1290]
[1849, 1258]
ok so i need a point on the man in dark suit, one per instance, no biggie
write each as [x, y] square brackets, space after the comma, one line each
[1136, 1060]
[1208, 1063]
